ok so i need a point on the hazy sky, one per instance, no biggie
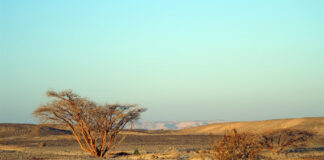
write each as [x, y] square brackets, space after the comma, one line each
[183, 60]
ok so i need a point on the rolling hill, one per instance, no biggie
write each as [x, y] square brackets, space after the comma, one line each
[315, 124]
[11, 129]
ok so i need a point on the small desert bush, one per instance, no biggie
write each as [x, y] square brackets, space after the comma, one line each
[234, 145]
[247, 146]
[278, 141]
[136, 152]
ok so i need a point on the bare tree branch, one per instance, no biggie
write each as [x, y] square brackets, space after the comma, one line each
[95, 127]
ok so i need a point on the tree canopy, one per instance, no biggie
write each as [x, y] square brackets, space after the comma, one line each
[95, 127]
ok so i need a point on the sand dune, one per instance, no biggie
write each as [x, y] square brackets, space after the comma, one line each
[315, 124]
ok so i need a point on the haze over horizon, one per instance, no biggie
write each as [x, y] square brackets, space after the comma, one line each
[183, 60]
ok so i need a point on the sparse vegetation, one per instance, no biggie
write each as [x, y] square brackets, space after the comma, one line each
[234, 145]
[279, 140]
[248, 146]
[94, 127]
[150, 144]
[136, 152]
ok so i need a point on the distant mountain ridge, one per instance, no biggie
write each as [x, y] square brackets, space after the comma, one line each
[171, 125]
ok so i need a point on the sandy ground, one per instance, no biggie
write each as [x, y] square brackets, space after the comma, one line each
[149, 146]
[27, 141]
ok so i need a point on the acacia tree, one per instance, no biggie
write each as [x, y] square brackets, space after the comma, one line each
[95, 127]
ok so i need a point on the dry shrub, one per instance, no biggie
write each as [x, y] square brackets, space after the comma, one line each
[247, 146]
[278, 141]
[234, 145]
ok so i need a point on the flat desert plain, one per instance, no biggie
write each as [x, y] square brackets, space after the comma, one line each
[38, 142]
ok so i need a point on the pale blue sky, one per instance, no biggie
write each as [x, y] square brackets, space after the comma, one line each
[183, 60]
